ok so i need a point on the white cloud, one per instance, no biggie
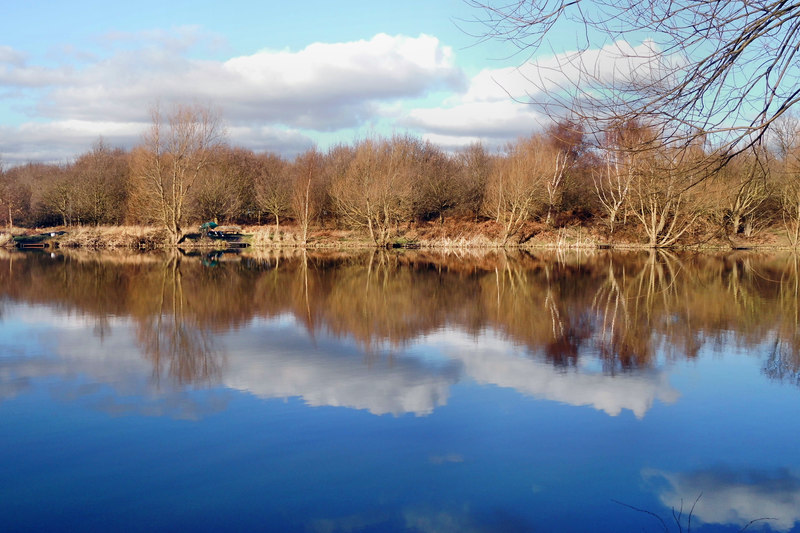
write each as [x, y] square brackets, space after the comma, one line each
[178, 39]
[494, 109]
[59, 141]
[506, 103]
[323, 87]
[11, 56]
[258, 138]
[385, 66]
[614, 65]
[502, 119]
[26, 77]
[333, 83]
[392, 80]
[457, 142]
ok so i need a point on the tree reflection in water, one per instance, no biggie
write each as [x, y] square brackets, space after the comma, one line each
[172, 337]
[783, 362]
[625, 308]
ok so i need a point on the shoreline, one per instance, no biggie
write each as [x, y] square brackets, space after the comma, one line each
[430, 236]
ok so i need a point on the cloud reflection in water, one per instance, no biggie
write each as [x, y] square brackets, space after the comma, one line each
[331, 373]
[734, 496]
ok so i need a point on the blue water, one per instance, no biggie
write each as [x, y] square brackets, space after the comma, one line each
[451, 430]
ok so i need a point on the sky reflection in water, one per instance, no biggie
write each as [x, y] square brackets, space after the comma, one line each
[410, 392]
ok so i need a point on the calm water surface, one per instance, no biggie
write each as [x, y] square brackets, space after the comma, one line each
[399, 392]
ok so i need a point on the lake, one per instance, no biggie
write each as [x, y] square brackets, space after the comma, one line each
[411, 391]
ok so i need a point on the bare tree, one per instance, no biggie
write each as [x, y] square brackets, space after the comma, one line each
[99, 180]
[214, 198]
[15, 194]
[567, 138]
[521, 184]
[790, 210]
[307, 189]
[727, 68]
[225, 190]
[786, 147]
[554, 184]
[612, 183]
[742, 191]
[621, 148]
[57, 200]
[789, 176]
[375, 191]
[475, 165]
[663, 203]
[169, 162]
[434, 175]
[272, 187]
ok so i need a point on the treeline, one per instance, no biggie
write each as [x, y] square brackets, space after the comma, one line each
[628, 184]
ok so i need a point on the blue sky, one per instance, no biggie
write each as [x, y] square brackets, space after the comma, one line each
[283, 76]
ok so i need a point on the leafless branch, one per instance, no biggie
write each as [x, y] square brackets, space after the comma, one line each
[724, 70]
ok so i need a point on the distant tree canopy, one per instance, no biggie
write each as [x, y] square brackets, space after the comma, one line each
[628, 182]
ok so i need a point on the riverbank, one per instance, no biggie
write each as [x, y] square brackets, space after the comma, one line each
[450, 234]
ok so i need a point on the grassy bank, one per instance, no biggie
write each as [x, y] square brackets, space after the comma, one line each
[450, 234]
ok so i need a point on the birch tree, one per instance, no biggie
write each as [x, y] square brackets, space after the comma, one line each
[613, 181]
[666, 199]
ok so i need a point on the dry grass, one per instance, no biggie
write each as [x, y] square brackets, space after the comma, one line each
[459, 241]
[7, 236]
[291, 236]
[270, 236]
[454, 234]
[137, 237]
[575, 237]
